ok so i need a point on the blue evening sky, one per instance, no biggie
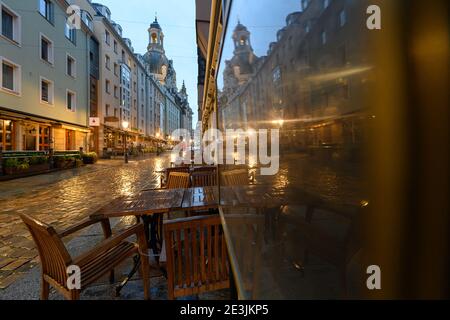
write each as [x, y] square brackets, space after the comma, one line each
[177, 19]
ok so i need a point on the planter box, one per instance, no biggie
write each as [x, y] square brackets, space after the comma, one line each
[65, 164]
[39, 167]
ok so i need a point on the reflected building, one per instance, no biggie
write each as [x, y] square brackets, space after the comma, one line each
[311, 83]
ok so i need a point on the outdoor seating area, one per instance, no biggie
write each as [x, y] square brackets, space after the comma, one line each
[177, 230]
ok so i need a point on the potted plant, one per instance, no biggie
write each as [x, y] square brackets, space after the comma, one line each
[10, 165]
[90, 158]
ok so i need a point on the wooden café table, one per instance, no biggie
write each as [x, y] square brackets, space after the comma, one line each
[150, 205]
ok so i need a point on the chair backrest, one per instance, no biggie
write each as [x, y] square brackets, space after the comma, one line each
[197, 257]
[53, 254]
[235, 177]
[205, 168]
[178, 180]
[204, 179]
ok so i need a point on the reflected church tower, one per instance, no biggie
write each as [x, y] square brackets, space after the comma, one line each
[244, 62]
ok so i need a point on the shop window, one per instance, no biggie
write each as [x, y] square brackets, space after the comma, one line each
[70, 140]
[6, 135]
[44, 138]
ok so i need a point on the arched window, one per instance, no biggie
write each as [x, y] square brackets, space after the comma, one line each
[154, 38]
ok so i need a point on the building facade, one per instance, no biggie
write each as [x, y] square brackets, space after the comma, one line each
[64, 87]
[44, 95]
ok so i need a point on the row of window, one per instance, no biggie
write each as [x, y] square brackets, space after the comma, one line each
[11, 72]
[342, 20]
[10, 80]
[11, 23]
[47, 94]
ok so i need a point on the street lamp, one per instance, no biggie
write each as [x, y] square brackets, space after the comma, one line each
[125, 125]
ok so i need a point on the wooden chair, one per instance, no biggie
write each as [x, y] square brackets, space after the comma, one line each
[204, 178]
[235, 177]
[197, 257]
[204, 168]
[178, 180]
[94, 264]
[165, 177]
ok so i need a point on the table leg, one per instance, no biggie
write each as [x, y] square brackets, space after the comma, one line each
[137, 263]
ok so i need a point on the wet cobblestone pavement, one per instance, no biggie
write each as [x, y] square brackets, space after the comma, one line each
[62, 199]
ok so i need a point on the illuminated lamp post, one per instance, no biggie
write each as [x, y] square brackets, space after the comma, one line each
[125, 125]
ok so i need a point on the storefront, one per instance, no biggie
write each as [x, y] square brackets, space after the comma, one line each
[21, 133]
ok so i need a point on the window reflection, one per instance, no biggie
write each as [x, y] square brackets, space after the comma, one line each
[303, 68]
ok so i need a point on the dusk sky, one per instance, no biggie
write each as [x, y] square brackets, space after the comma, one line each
[177, 19]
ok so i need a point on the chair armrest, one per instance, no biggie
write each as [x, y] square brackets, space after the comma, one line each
[87, 223]
[153, 189]
[112, 242]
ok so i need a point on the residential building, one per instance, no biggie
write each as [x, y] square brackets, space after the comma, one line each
[44, 95]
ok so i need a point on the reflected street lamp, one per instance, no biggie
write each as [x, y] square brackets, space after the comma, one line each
[125, 125]
[157, 143]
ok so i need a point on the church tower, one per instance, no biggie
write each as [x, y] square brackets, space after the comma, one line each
[241, 38]
[156, 37]
[155, 58]
[244, 62]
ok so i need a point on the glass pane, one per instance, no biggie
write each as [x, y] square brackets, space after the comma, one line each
[44, 90]
[44, 50]
[8, 76]
[292, 93]
[7, 25]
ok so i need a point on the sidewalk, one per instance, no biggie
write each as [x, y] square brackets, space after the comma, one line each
[18, 187]
[61, 199]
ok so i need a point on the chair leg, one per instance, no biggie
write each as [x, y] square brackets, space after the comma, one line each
[145, 272]
[45, 290]
[75, 295]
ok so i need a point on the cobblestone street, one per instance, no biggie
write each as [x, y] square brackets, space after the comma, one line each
[61, 199]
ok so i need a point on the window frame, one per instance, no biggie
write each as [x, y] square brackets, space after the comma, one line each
[17, 24]
[107, 62]
[51, 13]
[74, 66]
[74, 102]
[107, 86]
[107, 37]
[51, 91]
[72, 36]
[17, 77]
[51, 49]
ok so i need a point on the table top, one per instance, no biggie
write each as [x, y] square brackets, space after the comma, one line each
[156, 201]
[144, 203]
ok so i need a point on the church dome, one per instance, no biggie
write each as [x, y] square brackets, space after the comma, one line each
[240, 27]
[156, 60]
[155, 24]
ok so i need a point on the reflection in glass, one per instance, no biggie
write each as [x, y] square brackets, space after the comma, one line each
[301, 68]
